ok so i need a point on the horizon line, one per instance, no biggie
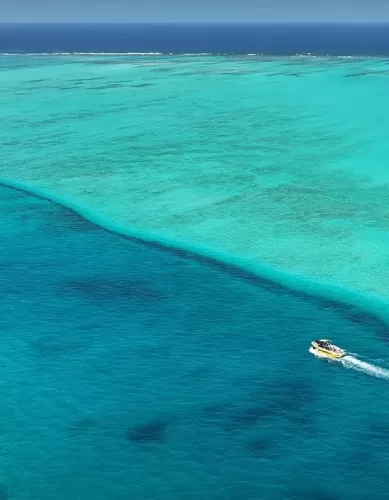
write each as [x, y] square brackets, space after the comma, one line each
[307, 21]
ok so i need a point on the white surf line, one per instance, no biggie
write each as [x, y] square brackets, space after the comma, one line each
[356, 364]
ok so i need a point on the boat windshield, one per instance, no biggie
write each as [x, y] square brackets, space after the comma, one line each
[325, 344]
[333, 348]
[328, 346]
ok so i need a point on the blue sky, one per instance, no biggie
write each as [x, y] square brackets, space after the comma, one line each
[194, 10]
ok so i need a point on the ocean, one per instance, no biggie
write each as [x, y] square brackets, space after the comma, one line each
[213, 38]
[183, 210]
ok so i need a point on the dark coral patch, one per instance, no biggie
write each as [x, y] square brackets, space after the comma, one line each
[53, 345]
[380, 431]
[82, 425]
[262, 447]
[291, 400]
[293, 395]
[216, 411]
[245, 418]
[150, 432]
[108, 86]
[297, 75]
[310, 494]
[3, 493]
[140, 85]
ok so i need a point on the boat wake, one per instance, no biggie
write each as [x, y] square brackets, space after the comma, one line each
[350, 361]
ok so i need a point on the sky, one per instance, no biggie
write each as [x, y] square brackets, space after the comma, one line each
[193, 10]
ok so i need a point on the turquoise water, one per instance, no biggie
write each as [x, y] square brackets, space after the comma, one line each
[131, 371]
[133, 368]
[281, 161]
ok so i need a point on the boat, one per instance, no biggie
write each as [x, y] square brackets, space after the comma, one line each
[325, 347]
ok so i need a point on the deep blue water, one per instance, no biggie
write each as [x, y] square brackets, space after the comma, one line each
[136, 371]
[133, 370]
[269, 38]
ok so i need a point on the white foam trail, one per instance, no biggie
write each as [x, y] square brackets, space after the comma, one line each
[363, 366]
[356, 364]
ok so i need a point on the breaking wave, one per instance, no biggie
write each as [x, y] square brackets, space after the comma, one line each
[182, 54]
